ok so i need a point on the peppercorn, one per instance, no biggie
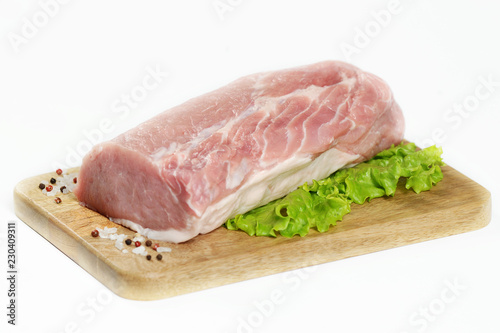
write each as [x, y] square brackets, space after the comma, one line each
[156, 246]
[41, 186]
[148, 257]
[63, 189]
[128, 241]
[49, 188]
[95, 233]
[74, 180]
[58, 200]
[52, 180]
[137, 243]
[159, 257]
[148, 242]
[59, 172]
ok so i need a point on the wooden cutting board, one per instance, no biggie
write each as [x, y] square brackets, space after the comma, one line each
[455, 205]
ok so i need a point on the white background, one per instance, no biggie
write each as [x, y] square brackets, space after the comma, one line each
[60, 79]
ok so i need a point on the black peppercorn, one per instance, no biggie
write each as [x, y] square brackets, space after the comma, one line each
[52, 180]
[128, 241]
[41, 186]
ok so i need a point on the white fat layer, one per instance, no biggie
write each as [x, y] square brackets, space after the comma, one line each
[260, 189]
[269, 185]
[236, 176]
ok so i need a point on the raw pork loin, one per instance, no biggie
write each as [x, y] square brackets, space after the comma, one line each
[189, 169]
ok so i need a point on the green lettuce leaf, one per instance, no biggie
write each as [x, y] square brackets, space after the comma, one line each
[322, 203]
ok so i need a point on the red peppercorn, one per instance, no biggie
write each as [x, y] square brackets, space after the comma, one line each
[59, 172]
[137, 243]
[156, 246]
[74, 180]
[58, 200]
[48, 188]
[95, 233]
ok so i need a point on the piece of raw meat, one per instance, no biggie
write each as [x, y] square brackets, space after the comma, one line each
[189, 169]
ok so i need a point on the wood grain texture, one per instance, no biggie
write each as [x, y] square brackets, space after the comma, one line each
[455, 205]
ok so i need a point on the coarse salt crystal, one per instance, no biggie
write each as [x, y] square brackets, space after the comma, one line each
[163, 249]
[103, 233]
[119, 245]
[119, 240]
[125, 251]
[140, 250]
[138, 238]
[110, 230]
